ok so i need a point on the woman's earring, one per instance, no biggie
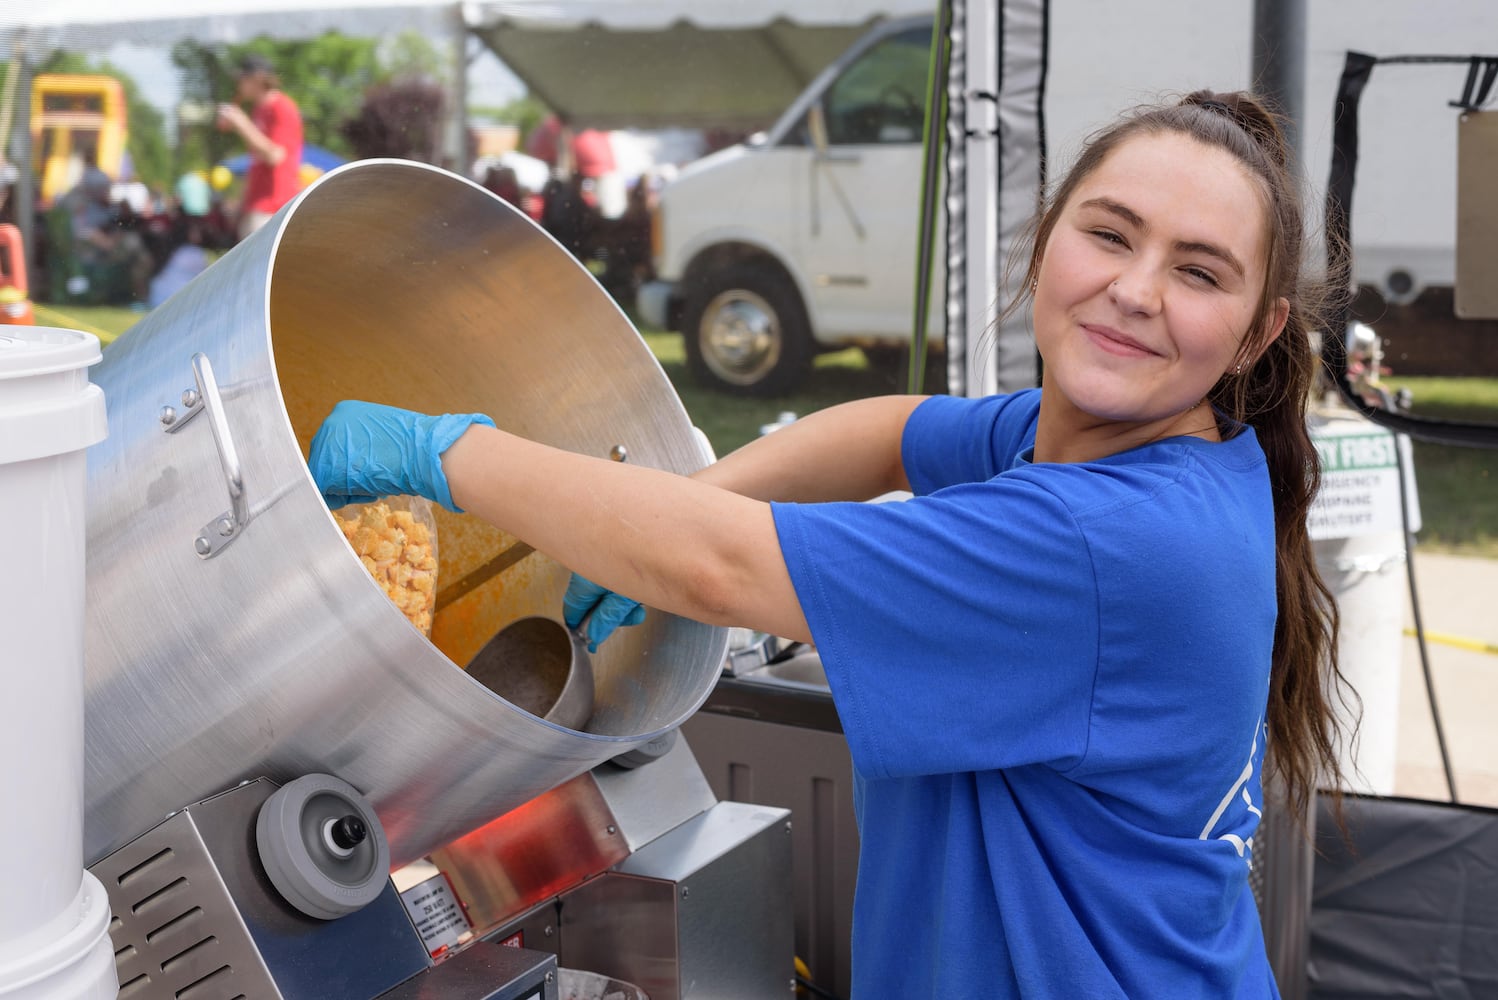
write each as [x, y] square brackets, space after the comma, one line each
[1238, 368]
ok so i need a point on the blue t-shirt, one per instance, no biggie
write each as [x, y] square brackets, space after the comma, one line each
[1053, 680]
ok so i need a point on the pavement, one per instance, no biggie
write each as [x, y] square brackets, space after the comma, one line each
[1458, 600]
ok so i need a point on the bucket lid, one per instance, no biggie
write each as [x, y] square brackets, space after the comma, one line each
[46, 410]
[41, 350]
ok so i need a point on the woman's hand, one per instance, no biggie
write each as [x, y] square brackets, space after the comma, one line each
[365, 450]
[600, 607]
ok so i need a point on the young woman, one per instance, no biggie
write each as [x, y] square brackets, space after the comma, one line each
[1059, 665]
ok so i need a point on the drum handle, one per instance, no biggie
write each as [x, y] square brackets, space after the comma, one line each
[216, 535]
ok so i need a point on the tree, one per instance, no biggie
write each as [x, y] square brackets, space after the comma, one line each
[401, 119]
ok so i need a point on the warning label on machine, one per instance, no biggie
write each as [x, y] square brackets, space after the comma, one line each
[435, 911]
[1360, 485]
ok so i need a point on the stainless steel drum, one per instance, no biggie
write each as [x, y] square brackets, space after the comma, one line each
[232, 633]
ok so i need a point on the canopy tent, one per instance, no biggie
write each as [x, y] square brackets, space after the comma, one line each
[598, 63]
[651, 63]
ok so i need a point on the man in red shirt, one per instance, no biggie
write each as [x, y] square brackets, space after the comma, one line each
[273, 133]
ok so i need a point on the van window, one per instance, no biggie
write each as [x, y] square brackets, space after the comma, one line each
[881, 97]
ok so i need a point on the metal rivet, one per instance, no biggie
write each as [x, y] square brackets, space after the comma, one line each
[189, 398]
[168, 416]
[225, 527]
[685, 892]
[547, 930]
[619, 453]
[611, 829]
[202, 545]
[787, 826]
[551, 977]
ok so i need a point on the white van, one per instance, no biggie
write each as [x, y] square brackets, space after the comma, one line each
[803, 239]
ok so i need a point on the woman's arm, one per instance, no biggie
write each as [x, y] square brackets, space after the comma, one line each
[703, 547]
[845, 452]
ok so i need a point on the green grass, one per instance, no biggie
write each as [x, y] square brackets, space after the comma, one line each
[1458, 486]
[104, 322]
[733, 421]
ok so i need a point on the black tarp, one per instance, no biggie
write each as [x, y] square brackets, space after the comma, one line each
[1412, 909]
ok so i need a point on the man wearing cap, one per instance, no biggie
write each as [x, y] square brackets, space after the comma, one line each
[273, 133]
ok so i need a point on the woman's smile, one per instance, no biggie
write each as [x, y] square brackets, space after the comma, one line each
[1115, 341]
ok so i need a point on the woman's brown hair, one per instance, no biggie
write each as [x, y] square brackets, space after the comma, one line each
[1270, 393]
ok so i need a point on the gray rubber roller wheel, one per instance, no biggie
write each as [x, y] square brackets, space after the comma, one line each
[646, 753]
[322, 846]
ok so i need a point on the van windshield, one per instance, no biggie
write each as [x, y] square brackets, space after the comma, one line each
[881, 97]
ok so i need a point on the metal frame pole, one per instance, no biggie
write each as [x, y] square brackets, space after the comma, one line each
[1279, 59]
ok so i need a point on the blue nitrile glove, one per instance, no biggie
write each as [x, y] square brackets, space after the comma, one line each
[365, 450]
[603, 609]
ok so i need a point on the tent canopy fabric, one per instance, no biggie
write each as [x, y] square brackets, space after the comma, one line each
[651, 63]
[598, 63]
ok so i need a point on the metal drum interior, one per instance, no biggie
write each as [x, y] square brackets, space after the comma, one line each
[277, 655]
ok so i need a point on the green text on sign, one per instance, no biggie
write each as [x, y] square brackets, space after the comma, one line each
[1356, 451]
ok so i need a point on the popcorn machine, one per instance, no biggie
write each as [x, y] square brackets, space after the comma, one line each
[268, 738]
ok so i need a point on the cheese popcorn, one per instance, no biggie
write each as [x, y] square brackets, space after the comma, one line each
[398, 549]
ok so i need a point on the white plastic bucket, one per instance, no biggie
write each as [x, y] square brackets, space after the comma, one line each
[54, 917]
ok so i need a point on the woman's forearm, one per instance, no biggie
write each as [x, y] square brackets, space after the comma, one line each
[684, 546]
[846, 452]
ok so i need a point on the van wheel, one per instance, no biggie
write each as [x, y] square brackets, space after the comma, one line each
[746, 332]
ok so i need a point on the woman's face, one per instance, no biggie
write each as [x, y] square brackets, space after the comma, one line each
[1150, 280]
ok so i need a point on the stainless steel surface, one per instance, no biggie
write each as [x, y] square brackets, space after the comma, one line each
[535, 929]
[748, 650]
[810, 772]
[651, 799]
[804, 670]
[401, 283]
[174, 921]
[540, 665]
[194, 907]
[529, 855]
[702, 912]
[485, 972]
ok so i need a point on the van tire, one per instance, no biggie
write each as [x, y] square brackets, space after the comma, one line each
[746, 331]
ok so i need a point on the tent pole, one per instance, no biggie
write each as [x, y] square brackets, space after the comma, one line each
[23, 195]
[456, 139]
[1279, 60]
